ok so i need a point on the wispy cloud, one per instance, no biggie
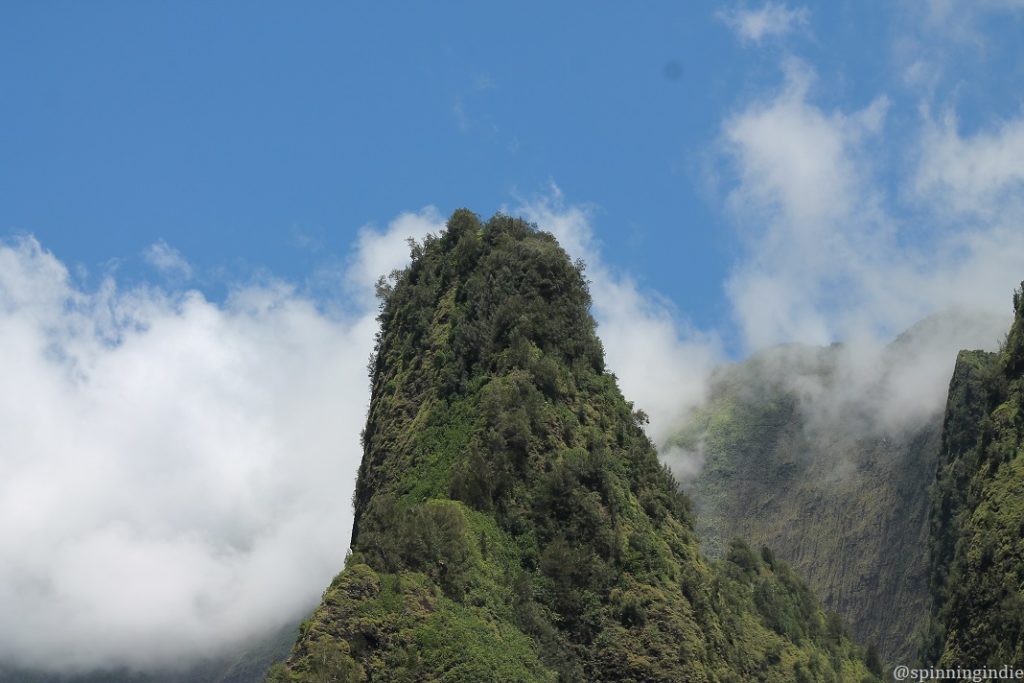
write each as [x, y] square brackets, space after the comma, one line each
[806, 209]
[956, 15]
[167, 260]
[771, 20]
[833, 252]
[826, 256]
[981, 174]
[941, 46]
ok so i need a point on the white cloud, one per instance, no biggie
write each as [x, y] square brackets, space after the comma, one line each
[167, 260]
[982, 174]
[771, 20]
[825, 259]
[943, 48]
[956, 14]
[807, 211]
[175, 474]
[795, 159]
[661, 361]
[379, 253]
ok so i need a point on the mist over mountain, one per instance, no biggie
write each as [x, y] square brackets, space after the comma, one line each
[828, 455]
[844, 504]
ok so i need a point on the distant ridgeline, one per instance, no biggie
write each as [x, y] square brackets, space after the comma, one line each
[512, 521]
[977, 514]
[845, 505]
[914, 536]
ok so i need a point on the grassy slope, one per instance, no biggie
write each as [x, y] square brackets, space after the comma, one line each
[846, 508]
[977, 520]
[512, 520]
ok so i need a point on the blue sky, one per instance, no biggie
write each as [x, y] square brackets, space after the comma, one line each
[233, 132]
[195, 199]
[251, 136]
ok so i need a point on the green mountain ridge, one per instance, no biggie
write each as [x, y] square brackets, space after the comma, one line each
[512, 520]
[976, 561]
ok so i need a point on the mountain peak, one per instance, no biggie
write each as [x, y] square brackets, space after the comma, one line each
[513, 522]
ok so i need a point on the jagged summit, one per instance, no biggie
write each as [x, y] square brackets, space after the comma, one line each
[512, 520]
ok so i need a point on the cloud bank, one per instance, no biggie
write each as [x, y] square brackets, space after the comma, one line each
[175, 474]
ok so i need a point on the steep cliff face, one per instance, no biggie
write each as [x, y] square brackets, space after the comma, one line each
[845, 504]
[513, 522]
[977, 514]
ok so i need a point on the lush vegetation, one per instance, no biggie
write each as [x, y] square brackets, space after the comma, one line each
[829, 494]
[977, 516]
[512, 520]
